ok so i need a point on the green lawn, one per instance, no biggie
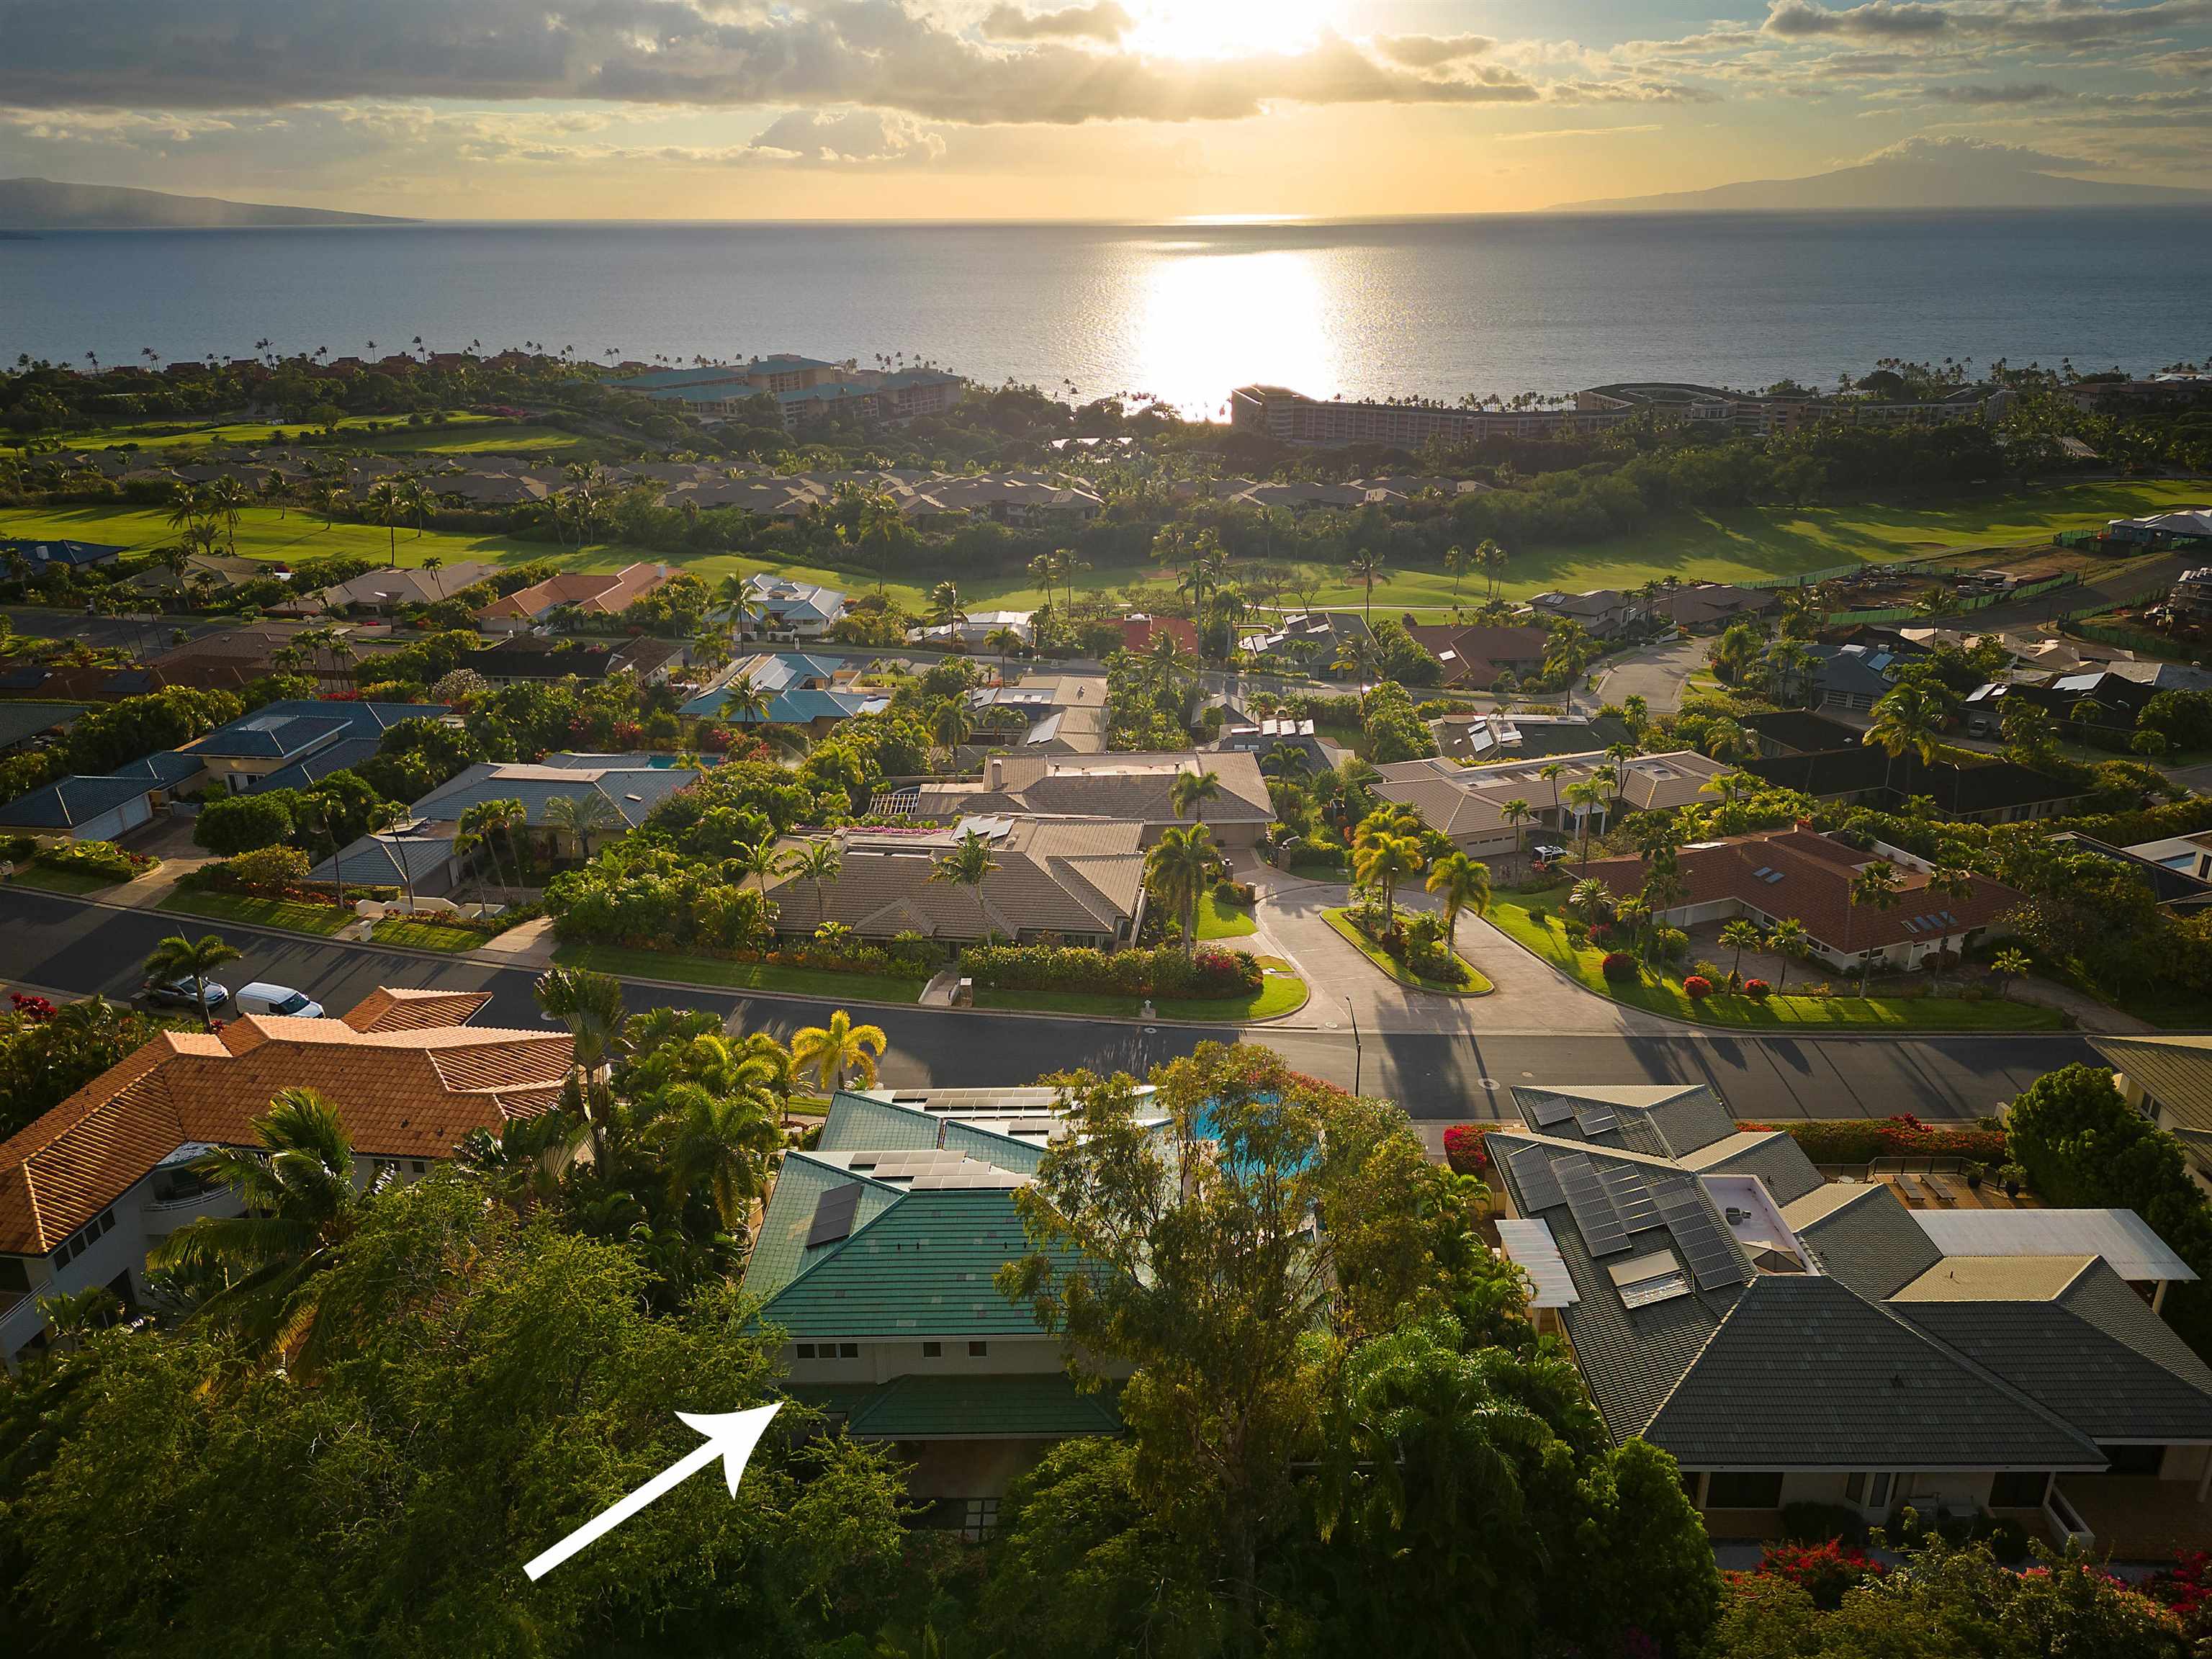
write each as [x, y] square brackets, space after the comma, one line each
[1548, 941]
[323, 919]
[1281, 993]
[740, 975]
[419, 935]
[460, 434]
[1477, 986]
[1218, 921]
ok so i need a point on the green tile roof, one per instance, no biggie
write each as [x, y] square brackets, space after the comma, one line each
[991, 1146]
[1017, 1405]
[780, 1254]
[922, 1268]
[858, 1124]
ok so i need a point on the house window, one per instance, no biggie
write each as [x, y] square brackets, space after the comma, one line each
[2017, 1490]
[803, 1350]
[1744, 1491]
[933, 1351]
[978, 1350]
[1878, 1491]
[1855, 1489]
[848, 1350]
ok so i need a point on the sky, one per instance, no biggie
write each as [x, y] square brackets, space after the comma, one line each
[1133, 110]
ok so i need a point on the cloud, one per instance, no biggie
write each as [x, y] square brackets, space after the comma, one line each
[1575, 133]
[1432, 50]
[1957, 149]
[1105, 22]
[846, 137]
[1876, 20]
[878, 53]
[1984, 97]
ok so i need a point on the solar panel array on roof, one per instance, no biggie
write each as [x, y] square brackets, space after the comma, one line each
[1631, 1195]
[1594, 1218]
[1552, 1110]
[1595, 1121]
[1532, 1173]
[1714, 1259]
[833, 1214]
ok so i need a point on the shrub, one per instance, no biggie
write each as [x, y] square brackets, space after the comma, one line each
[1758, 989]
[267, 867]
[1618, 967]
[1697, 988]
[1822, 1523]
[1536, 915]
[242, 824]
[1164, 972]
[1861, 1140]
[1465, 1150]
[1225, 892]
[19, 849]
[1671, 944]
[35, 1010]
[95, 858]
[1824, 1571]
[1710, 970]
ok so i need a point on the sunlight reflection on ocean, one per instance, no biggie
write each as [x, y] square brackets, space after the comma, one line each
[1185, 312]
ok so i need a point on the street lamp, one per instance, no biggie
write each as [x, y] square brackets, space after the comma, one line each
[1358, 1055]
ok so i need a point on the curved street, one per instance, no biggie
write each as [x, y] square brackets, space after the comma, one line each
[69, 946]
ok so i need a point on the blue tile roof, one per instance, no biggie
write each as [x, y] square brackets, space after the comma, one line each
[71, 801]
[57, 551]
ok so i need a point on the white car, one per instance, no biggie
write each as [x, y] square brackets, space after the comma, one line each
[260, 998]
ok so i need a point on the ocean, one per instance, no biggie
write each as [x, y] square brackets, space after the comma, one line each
[1435, 308]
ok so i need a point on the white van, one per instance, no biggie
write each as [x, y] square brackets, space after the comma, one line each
[280, 999]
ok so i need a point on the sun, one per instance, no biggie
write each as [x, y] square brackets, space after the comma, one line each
[1228, 29]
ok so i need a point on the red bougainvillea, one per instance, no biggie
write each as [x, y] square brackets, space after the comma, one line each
[1697, 988]
[1823, 1571]
[1758, 989]
[1617, 965]
[1464, 1149]
[2186, 1587]
[35, 1009]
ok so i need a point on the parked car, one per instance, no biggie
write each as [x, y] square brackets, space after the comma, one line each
[178, 994]
[262, 998]
[1545, 856]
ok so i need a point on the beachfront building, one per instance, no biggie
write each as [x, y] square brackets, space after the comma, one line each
[90, 1187]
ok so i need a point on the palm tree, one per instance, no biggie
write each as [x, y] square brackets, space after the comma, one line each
[945, 607]
[1741, 935]
[761, 860]
[1003, 640]
[1463, 884]
[1190, 792]
[1550, 774]
[1589, 797]
[1492, 559]
[732, 594]
[816, 863]
[1905, 717]
[952, 724]
[1789, 940]
[226, 498]
[301, 1206]
[1456, 561]
[1364, 566]
[1176, 871]
[721, 1142]
[177, 958]
[387, 507]
[1382, 861]
[1731, 740]
[2008, 964]
[481, 822]
[580, 817]
[591, 1005]
[969, 864]
[70, 1314]
[838, 1051]
[1518, 812]
[1879, 886]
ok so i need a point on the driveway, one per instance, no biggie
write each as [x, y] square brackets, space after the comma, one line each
[1528, 997]
[1655, 673]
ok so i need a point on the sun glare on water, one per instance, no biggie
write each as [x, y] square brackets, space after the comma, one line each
[1228, 29]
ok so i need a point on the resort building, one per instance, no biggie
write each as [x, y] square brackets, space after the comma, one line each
[1793, 1340]
[1291, 417]
[804, 390]
[89, 1188]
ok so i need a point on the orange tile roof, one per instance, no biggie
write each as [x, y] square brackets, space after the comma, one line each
[405, 1092]
[390, 1009]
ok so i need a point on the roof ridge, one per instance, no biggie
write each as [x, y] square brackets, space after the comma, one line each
[902, 1197]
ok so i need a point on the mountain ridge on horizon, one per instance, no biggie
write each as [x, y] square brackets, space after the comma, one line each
[1962, 180]
[36, 205]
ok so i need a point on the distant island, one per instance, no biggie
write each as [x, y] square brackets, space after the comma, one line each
[1919, 177]
[34, 204]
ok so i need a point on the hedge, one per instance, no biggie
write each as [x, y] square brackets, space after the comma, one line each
[1467, 1149]
[1862, 1139]
[95, 858]
[1165, 972]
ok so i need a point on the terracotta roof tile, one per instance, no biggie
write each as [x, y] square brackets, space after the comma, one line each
[388, 1009]
[403, 1093]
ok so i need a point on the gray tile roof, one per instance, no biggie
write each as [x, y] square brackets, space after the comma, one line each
[1082, 877]
[22, 720]
[375, 860]
[1659, 1119]
[1803, 1372]
[1863, 1236]
[2095, 1354]
[311, 770]
[1776, 1159]
[2174, 1071]
[632, 793]
[1132, 788]
[71, 801]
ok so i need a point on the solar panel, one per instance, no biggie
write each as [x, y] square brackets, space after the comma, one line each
[1952, 919]
[1550, 1110]
[1594, 1121]
[1761, 871]
[833, 1215]
[1594, 1214]
[1713, 1258]
[1772, 875]
[1910, 926]
[1532, 1173]
[1630, 1194]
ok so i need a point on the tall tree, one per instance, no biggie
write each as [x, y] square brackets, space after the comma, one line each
[1463, 884]
[1190, 792]
[177, 959]
[1177, 870]
[839, 1051]
[969, 864]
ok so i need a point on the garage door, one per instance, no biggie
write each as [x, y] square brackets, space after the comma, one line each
[108, 825]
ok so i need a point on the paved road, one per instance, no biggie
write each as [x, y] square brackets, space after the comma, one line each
[61, 944]
[1656, 673]
[152, 632]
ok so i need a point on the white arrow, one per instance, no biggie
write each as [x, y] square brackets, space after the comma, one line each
[731, 1436]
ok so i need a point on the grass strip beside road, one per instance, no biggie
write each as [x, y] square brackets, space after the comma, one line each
[74, 883]
[292, 918]
[1547, 940]
[416, 934]
[739, 975]
[1340, 922]
[1279, 994]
